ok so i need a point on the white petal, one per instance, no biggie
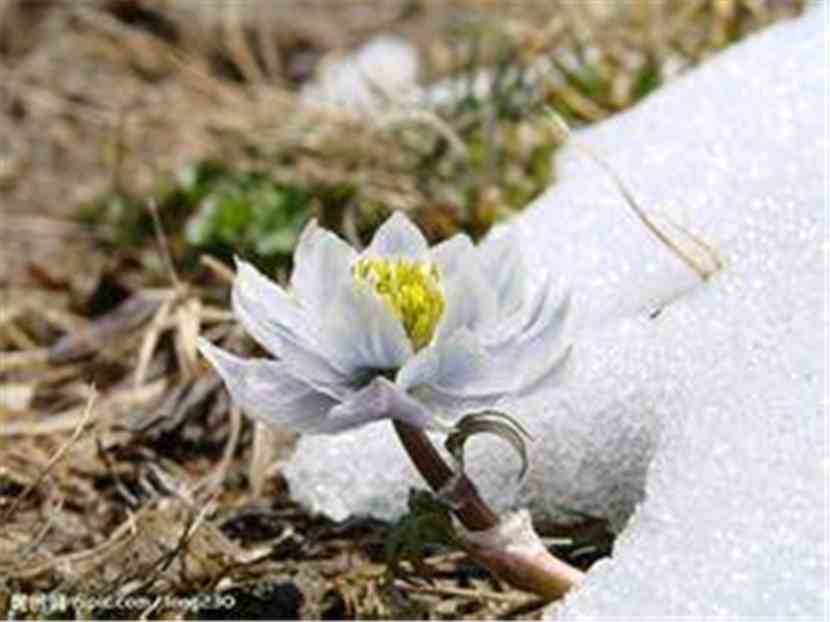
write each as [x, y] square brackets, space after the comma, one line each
[363, 333]
[541, 321]
[318, 369]
[451, 255]
[266, 311]
[538, 353]
[453, 363]
[454, 401]
[450, 404]
[541, 311]
[469, 302]
[501, 261]
[506, 330]
[451, 376]
[265, 390]
[321, 262]
[463, 372]
[381, 399]
[282, 327]
[398, 237]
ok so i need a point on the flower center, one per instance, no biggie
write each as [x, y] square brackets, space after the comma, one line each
[410, 290]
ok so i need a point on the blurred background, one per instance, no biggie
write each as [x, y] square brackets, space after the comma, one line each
[201, 103]
[143, 143]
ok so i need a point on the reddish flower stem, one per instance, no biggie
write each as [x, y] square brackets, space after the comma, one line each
[530, 568]
[471, 510]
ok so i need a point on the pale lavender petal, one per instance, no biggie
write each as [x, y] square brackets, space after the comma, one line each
[322, 261]
[266, 391]
[398, 237]
[266, 311]
[380, 399]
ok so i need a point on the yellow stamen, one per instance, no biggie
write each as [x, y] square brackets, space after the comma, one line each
[410, 290]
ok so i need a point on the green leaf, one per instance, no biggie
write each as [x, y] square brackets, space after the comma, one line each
[245, 213]
[428, 522]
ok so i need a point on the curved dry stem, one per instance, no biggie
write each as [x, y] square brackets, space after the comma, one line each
[704, 263]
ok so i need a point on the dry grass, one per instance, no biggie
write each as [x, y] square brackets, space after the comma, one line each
[158, 486]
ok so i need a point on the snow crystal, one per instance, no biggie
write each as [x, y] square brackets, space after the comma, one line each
[693, 413]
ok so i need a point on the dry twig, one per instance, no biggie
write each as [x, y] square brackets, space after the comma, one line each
[88, 410]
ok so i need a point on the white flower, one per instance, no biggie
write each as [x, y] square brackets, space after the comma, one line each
[399, 330]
